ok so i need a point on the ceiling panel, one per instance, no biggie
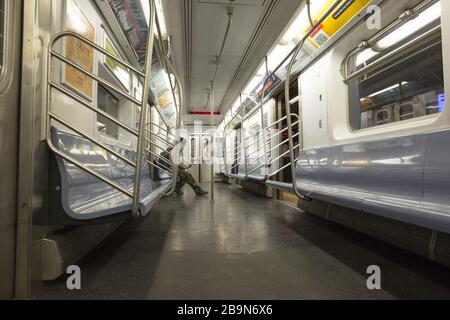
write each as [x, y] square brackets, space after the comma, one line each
[209, 25]
[203, 23]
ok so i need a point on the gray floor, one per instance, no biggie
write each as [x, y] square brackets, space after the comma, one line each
[245, 247]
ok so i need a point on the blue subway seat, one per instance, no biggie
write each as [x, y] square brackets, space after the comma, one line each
[404, 178]
[85, 197]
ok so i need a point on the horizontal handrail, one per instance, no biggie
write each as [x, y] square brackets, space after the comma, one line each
[156, 166]
[94, 141]
[156, 155]
[269, 126]
[273, 160]
[93, 108]
[155, 145]
[96, 47]
[160, 127]
[284, 142]
[279, 170]
[96, 78]
[161, 139]
[256, 160]
[374, 65]
[369, 42]
[83, 167]
[163, 136]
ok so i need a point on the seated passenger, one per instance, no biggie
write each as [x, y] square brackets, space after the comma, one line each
[184, 177]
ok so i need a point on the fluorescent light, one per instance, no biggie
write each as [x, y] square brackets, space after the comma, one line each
[146, 7]
[364, 56]
[159, 11]
[426, 17]
[387, 89]
[276, 55]
[161, 18]
[262, 71]
[301, 23]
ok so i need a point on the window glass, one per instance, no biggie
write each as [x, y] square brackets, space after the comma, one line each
[108, 103]
[206, 150]
[193, 146]
[2, 33]
[408, 86]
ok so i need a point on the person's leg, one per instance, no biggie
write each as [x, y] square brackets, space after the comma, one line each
[181, 182]
[194, 184]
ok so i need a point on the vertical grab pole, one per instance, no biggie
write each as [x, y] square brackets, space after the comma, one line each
[179, 106]
[212, 145]
[225, 147]
[243, 148]
[263, 131]
[143, 114]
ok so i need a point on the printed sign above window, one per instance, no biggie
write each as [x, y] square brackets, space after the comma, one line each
[131, 17]
[78, 51]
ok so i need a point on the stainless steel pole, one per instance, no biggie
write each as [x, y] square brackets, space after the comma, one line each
[143, 114]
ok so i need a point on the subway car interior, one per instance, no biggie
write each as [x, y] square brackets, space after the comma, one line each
[224, 150]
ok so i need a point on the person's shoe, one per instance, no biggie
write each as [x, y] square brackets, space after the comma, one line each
[179, 192]
[200, 192]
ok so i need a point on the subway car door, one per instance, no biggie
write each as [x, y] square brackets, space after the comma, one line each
[205, 168]
[195, 156]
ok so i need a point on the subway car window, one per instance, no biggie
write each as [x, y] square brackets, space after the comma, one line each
[2, 34]
[404, 78]
[108, 103]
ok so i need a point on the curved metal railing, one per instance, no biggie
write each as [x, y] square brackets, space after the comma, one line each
[134, 194]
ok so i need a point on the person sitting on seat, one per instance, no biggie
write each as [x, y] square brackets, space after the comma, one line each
[184, 176]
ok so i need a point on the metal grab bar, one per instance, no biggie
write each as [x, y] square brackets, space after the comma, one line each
[160, 139]
[269, 163]
[270, 126]
[94, 77]
[273, 136]
[146, 75]
[156, 145]
[158, 167]
[127, 65]
[156, 155]
[374, 65]
[93, 108]
[281, 131]
[259, 140]
[287, 91]
[94, 141]
[372, 40]
[169, 161]
[165, 130]
[256, 151]
[255, 160]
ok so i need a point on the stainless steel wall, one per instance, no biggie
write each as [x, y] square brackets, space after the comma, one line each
[9, 122]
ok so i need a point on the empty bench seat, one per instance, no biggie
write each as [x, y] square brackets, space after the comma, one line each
[83, 197]
[255, 176]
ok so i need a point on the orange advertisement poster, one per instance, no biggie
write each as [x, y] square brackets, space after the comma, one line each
[78, 51]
